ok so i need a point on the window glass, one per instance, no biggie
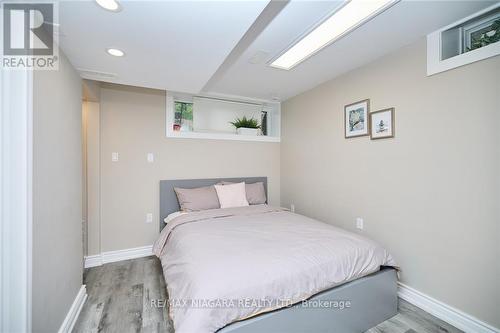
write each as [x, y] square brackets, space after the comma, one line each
[183, 117]
[478, 32]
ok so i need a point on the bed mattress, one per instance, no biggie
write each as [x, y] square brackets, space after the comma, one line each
[225, 265]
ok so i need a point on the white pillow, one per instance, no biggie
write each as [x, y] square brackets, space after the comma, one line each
[172, 216]
[233, 195]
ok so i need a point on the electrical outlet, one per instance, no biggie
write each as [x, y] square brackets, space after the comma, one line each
[292, 208]
[151, 157]
[149, 217]
[359, 223]
[114, 157]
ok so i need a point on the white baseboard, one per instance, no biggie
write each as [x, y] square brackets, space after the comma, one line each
[452, 316]
[74, 311]
[112, 256]
[93, 261]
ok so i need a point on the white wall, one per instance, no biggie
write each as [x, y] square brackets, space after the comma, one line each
[57, 194]
[431, 195]
[132, 123]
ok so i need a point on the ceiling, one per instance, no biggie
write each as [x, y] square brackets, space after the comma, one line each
[223, 47]
[175, 45]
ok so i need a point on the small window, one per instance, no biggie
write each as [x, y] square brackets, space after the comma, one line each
[482, 33]
[205, 117]
[183, 117]
[471, 35]
[473, 38]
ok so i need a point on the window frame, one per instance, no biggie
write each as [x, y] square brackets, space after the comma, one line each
[435, 63]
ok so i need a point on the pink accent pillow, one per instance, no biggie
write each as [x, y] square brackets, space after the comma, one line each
[256, 194]
[233, 195]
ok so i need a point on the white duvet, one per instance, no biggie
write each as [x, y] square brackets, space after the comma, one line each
[224, 265]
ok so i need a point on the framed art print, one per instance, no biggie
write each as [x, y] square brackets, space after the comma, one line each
[382, 124]
[356, 119]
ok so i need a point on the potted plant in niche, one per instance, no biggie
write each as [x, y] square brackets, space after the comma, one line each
[246, 126]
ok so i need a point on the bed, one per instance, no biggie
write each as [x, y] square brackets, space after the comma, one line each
[265, 269]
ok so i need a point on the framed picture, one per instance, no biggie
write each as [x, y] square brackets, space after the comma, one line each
[356, 119]
[382, 124]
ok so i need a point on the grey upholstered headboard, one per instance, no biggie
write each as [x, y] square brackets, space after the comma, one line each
[168, 199]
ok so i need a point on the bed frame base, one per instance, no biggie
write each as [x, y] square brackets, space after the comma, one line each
[373, 299]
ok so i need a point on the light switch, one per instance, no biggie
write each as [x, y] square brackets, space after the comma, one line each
[149, 217]
[151, 157]
[114, 157]
[359, 223]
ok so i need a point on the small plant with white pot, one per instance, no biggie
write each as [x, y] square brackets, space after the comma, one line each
[246, 126]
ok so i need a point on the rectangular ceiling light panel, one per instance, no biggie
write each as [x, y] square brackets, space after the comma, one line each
[350, 16]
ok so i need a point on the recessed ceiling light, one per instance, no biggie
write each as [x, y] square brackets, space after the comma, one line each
[350, 16]
[115, 52]
[111, 5]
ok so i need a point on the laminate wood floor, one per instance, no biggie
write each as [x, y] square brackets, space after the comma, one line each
[122, 298]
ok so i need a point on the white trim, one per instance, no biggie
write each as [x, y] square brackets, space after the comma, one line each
[93, 261]
[29, 231]
[451, 315]
[74, 311]
[16, 165]
[436, 65]
[137, 252]
[113, 256]
[221, 136]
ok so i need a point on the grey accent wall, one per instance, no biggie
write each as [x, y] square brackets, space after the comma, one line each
[132, 123]
[57, 194]
[431, 195]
